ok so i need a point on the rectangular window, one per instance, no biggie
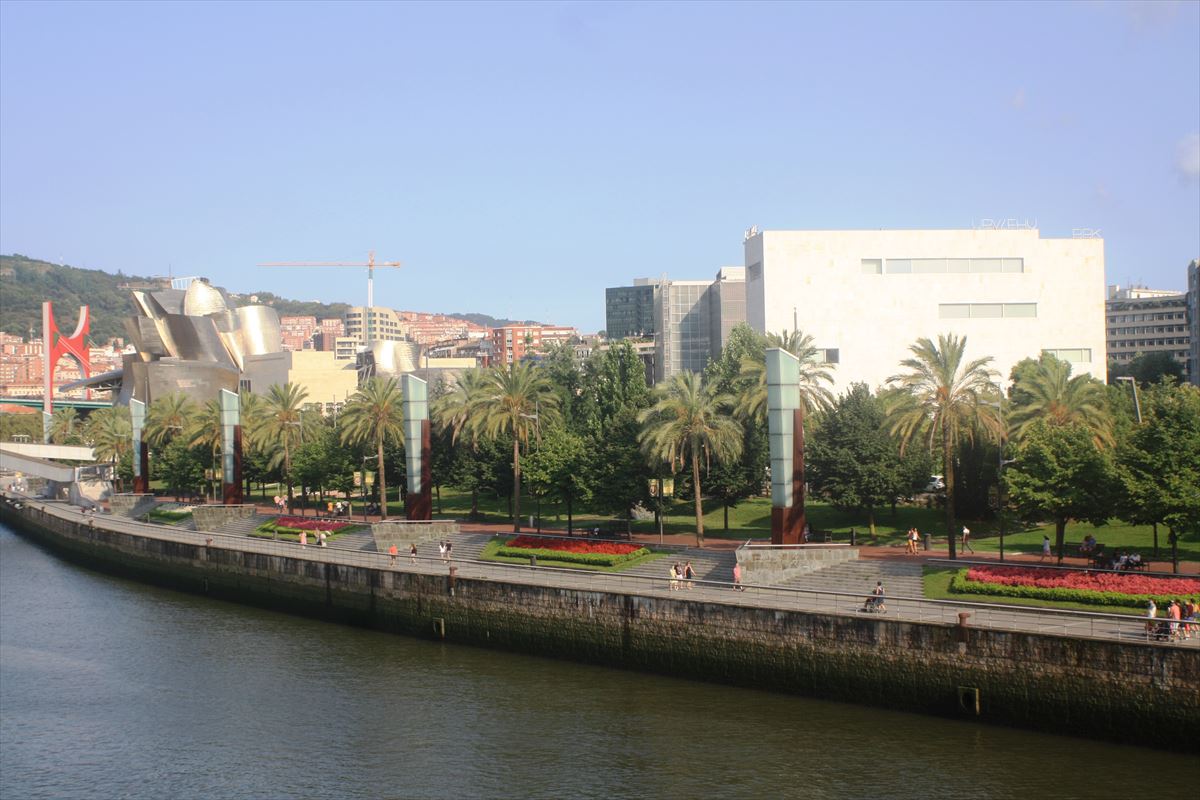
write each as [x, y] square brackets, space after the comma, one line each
[1075, 355]
[872, 266]
[986, 310]
[829, 355]
[940, 265]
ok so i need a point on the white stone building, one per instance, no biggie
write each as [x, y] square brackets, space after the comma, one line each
[866, 296]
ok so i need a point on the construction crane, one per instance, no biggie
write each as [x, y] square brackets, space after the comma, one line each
[370, 265]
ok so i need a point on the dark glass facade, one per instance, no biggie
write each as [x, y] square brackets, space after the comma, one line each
[629, 312]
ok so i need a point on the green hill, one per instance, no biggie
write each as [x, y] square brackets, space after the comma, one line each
[25, 282]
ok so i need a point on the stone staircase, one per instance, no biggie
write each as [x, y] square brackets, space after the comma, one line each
[900, 578]
[245, 525]
[709, 565]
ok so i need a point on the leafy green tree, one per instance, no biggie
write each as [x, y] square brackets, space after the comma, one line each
[181, 467]
[1044, 390]
[614, 382]
[815, 376]
[1059, 472]
[109, 431]
[1159, 461]
[1147, 368]
[65, 425]
[454, 415]
[686, 422]
[374, 416]
[941, 400]
[205, 431]
[168, 417]
[744, 345]
[562, 366]
[617, 473]
[17, 426]
[511, 403]
[853, 460]
[557, 468]
[280, 426]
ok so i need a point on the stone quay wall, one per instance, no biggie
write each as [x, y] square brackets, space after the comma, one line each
[1121, 691]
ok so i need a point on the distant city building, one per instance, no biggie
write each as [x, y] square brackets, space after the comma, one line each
[512, 343]
[384, 325]
[1193, 303]
[865, 296]
[327, 333]
[297, 332]
[688, 322]
[22, 368]
[629, 312]
[426, 329]
[1142, 321]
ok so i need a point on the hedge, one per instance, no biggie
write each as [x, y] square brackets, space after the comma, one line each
[590, 559]
[960, 584]
[169, 516]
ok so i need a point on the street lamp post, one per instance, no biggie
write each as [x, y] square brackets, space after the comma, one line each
[1137, 406]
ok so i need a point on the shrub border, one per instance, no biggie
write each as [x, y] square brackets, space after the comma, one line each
[960, 584]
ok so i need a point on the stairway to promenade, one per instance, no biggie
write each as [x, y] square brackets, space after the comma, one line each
[709, 565]
[900, 578]
[245, 525]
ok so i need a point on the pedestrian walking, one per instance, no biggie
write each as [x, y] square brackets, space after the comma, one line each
[321, 538]
[449, 550]
[737, 578]
[1151, 614]
[304, 538]
[412, 553]
[966, 539]
[442, 551]
[674, 573]
[689, 574]
[1045, 547]
[393, 551]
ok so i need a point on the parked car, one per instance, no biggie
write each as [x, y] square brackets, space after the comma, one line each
[936, 484]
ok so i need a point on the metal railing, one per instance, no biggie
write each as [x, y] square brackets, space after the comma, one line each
[1085, 624]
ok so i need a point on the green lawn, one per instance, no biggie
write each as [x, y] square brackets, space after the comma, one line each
[489, 554]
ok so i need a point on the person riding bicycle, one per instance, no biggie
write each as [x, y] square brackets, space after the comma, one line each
[875, 601]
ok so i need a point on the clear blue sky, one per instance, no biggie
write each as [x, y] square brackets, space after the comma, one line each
[521, 157]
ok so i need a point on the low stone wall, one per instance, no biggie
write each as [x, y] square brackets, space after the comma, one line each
[769, 566]
[128, 504]
[404, 533]
[1118, 690]
[213, 518]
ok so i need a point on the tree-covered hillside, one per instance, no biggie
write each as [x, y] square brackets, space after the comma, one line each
[25, 282]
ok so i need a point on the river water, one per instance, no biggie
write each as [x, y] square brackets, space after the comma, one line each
[112, 689]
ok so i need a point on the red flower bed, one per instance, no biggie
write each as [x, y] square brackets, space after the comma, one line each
[306, 524]
[1094, 581]
[572, 546]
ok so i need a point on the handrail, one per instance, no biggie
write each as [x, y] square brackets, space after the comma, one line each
[374, 560]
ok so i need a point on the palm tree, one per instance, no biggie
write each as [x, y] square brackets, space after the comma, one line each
[455, 411]
[169, 416]
[1046, 390]
[280, 427]
[374, 415]
[62, 425]
[206, 430]
[686, 421]
[814, 396]
[110, 433]
[942, 400]
[515, 401]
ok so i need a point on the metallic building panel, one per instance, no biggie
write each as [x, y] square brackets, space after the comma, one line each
[202, 299]
[196, 339]
[259, 330]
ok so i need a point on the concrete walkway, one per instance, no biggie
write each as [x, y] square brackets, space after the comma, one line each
[814, 597]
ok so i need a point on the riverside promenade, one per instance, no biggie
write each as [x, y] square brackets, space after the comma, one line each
[815, 593]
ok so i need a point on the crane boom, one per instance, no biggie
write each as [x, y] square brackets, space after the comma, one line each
[371, 264]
